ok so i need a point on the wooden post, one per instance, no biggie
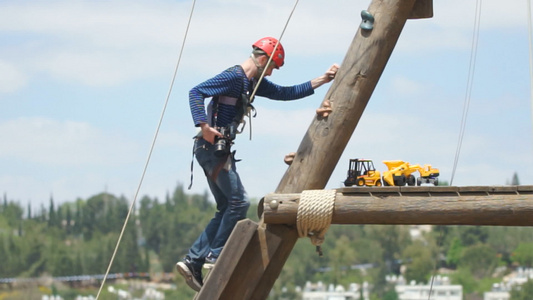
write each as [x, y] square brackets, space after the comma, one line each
[422, 9]
[321, 146]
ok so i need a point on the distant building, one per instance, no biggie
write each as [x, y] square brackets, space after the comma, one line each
[417, 231]
[319, 291]
[501, 291]
[440, 290]
[497, 294]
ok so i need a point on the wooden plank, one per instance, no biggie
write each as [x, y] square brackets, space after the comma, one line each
[525, 189]
[499, 210]
[263, 242]
[508, 190]
[228, 260]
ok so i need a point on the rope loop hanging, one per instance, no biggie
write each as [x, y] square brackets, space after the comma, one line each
[315, 211]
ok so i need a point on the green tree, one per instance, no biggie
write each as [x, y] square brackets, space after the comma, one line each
[523, 254]
[391, 294]
[506, 239]
[454, 253]
[463, 276]
[392, 239]
[52, 218]
[344, 255]
[472, 235]
[523, 292]
[422, 262]
[480, 260]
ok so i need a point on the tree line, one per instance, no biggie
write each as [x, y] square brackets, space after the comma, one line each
[79, 237]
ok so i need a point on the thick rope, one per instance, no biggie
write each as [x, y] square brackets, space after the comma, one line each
[149, 156]
[315, 211]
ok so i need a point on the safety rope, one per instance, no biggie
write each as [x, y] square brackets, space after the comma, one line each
[315, 210]
[530, 31]
[472, 67]
[466, 105]
[252, 96]
[149, 154]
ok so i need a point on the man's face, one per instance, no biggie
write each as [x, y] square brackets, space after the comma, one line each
[270, 68]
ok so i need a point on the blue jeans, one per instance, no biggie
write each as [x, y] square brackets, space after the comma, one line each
[230, 196]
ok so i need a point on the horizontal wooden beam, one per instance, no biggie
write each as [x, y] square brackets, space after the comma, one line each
[501, 206]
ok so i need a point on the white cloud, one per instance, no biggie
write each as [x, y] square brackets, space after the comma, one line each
[108, 45]
[407, 87]
[67, 143]
[11, 77]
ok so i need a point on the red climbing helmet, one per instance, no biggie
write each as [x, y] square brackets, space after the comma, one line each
[268, 44]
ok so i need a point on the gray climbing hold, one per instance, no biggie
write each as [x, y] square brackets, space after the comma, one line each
[368, 20]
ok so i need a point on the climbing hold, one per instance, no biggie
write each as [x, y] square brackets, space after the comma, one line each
[289, 158]
[325, 109]
[368, 20]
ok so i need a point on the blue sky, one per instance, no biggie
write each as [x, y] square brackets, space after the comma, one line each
[83, 84]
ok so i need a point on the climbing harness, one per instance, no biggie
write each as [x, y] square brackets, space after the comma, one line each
[315, 210]
[242, 105]
[149, 155]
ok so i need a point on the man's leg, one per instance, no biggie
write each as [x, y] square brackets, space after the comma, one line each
[231, 186]
[202, 246]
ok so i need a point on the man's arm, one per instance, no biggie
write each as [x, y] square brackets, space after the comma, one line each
[209, 133]
[327, 77]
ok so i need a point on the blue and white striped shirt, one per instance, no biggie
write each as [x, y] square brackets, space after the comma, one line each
[231, 83]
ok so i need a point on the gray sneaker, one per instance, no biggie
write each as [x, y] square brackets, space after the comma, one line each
[193, 277]
[210, 261]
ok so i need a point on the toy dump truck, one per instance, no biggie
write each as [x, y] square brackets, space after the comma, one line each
[362, 172]
[400, 173]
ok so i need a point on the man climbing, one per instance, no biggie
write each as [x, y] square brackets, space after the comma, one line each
[230, 101]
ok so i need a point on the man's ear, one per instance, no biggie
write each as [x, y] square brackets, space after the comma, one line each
[263, 59]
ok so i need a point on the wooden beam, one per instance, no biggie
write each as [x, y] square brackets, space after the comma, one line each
[422, 9]
[393, 206]
[363, 65]
[326, 138]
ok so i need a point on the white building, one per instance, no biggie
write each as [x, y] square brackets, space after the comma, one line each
[501, 291]
[440, 290]
[498, 292]
[319, 291]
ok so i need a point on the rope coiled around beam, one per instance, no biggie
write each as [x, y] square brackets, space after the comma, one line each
[315, 211]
